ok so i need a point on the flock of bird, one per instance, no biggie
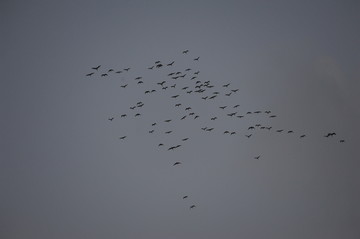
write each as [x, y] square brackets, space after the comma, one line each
[186, 82]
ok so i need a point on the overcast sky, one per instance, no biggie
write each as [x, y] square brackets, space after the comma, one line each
[64, 172]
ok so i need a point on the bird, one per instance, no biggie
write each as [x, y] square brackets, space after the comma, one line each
[167, 121]
[226, 85]
[140, 82]
[228, 94]
[147, 92]
[176, 163]
[192, 206]
[168, 132]
[110, 70]
[248, 135]
[174, 96]
[157, 62]
[290, 131]
[123, 137]
[188, 69]
[177, 105]
[213, 118]
[90, 74]
[235, 90]
[240, 116]
[196, 116]
[197, 58]
[138, 114]
[302, 136]
[235, 106]
[342, 141]
[138, 78]
[257, 112]
[185, 139]
[104, 74]
[257, 157]
[272, 116]
[209, 129]
[267, 112]
[279, 130]
[197, 72]
[186, 51]
[184, 197]
[226, 132]
[251, 127]
[232, 133]
[170, 64]
[150, 68]
[96, 68]
[183, 117]
[111, 119]
[204, 128]
[159, 65]
[188, 108]
[161, 83]
[118, 72]
[222, 107]
[124, 115]
[151, 131]
[160, 145]
[123, 86]
[153, 124]
[127, 69]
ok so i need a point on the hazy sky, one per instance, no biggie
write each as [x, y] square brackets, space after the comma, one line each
[64, 173]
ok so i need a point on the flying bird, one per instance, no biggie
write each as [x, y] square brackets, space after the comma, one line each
[123, 137]
[111, 119]
[123, 86]
[104, 74]
[176, 163]
[192, 206]
[96, 68]
[174, 96]
[197, 58]
[184, 197]
[90, 74]
[257, 157]
[170, 64]
[186, 51]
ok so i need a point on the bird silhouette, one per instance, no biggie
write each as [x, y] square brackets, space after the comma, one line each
[248, 135]
[127, 69]
[257, 157]
[90, 74]
[123, 86]
[174, 96]
[104, 74]
[170, 64]
[192, 206]
[184, 197]
[197, 58]
[96, 68]
[111, 119]
[186, 51]
[184, 139]
[176, 163]
[123, 137]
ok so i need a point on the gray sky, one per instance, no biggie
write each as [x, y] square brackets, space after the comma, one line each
[64, 173]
